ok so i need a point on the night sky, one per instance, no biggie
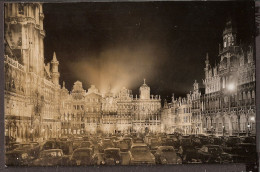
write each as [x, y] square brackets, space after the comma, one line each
[119, 44]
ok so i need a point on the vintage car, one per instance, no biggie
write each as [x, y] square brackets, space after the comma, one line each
[51, 157]
[154, 144]
[87, 144]
[137, 140]
[140, 154]
[123, 145]
[213, 154]
[106, 143]
[244, 153]
[167, 155]
[17, 158]
[112, 156]
[83, 156]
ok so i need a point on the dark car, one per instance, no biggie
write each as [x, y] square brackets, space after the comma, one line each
[32, 148]
[140, 154]
[167, 155]
[83, 156]
[128, 140]
[9, 139]
[249, 139]
[123, 145]
[213, 154]
[76, 143]
[137, 140]
[232, 141]
[154, 144]
[244, 153]
[51, 157]
[50, 144]
[112, 156]
[106, 143]
[17, 158]
[12, 146]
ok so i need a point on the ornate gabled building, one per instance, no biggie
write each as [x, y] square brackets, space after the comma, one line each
[31, 87]
[177, 116]
[196, 124]
[146, 111]
[124, 110]
[228, 105]
[80, 110]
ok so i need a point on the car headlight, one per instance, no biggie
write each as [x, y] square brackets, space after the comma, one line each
[103, 162]
[117, 162]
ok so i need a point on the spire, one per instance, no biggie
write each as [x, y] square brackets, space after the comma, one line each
[207, 62]
[165, 104]
[172, 97]
[54, 59]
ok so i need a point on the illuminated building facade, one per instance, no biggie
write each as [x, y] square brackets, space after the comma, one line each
[31, 92]
[146, 111]
[228, 106]
[177, 116]
[80, 110]
[124, 110]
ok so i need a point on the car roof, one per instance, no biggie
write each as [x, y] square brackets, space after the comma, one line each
[165, 147]
[112, 149]
[138, 144]
[51, 150]
[82, 149]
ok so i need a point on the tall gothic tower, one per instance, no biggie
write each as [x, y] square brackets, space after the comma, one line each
[55, 75]
[24, 34]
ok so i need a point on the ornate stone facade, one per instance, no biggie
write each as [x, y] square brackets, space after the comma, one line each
[31, 87]
[91, 112]
[146, 111]
[228, 106]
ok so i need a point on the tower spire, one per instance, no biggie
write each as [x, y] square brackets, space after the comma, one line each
[54, 58]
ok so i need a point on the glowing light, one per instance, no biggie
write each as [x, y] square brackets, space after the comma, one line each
[252, 118]
[231, 87]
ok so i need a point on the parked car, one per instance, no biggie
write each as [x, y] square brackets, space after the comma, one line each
[167, 155]
[244, 153]
[106, 143]
[112, 156]
[213, 154]
[83, 156]
[87, 144]
[137, 140]
[140, 154]
[154, 144]
[123, 145]
[51, 157]
[12, 146]
[17, 158]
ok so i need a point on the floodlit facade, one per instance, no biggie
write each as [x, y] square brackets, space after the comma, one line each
[31, 86]
[228, 106]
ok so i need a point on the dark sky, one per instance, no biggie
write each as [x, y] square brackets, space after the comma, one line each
[121, 43]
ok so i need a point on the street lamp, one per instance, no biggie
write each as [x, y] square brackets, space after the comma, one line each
[231, 87]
